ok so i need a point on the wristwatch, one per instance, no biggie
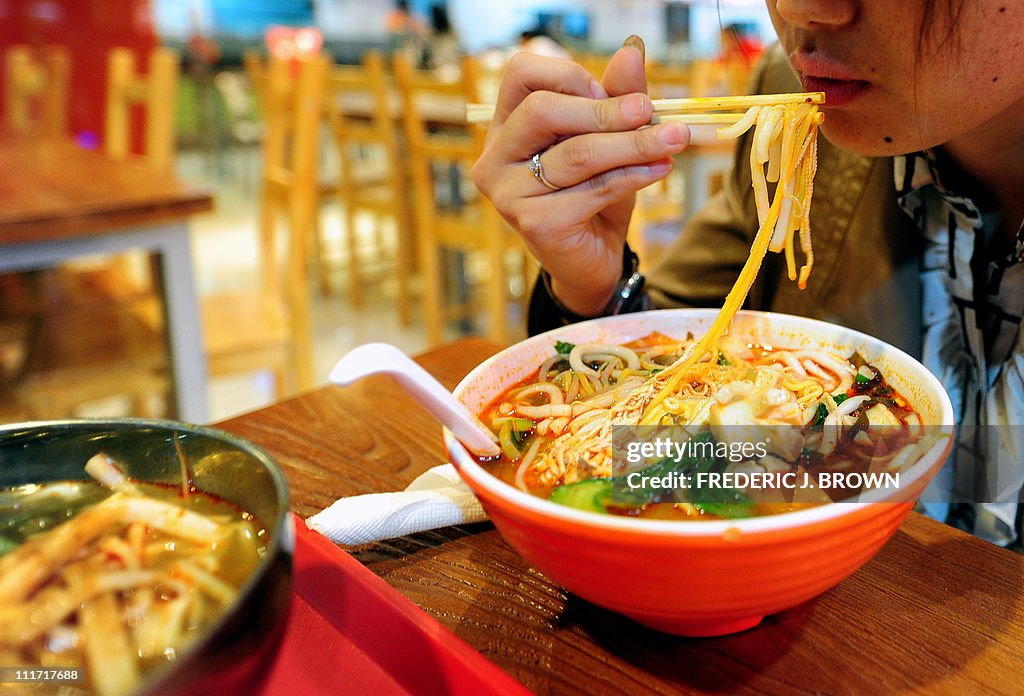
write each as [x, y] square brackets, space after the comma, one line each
[627, 297]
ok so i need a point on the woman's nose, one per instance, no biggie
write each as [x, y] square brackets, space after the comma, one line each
[817, 13]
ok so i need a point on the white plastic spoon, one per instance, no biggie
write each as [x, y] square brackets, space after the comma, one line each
[374, 358]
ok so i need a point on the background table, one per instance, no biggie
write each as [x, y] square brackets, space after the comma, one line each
[936, 610]
[59, 201]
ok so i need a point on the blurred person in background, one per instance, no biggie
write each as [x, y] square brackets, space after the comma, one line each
[406, 33]
[917, 214]
[443, 47]
[740, 46]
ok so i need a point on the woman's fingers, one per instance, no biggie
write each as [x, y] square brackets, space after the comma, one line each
[575, 160]
[543, 118]
[538, 217]
[527, 73]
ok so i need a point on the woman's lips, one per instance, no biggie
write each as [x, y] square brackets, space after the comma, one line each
[837, 92]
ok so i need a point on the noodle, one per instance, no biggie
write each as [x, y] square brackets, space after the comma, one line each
[124, 585]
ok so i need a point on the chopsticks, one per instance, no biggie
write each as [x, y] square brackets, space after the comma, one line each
[689, 110]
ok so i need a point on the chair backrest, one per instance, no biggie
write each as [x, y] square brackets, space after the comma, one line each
[37, 90]
[155, 92]
[360, 112]
[455, 144]
[292, 113]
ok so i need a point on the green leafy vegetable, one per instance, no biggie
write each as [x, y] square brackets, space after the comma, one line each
[508, 444]
[518, 424]
[822, 415]
[563, 347]
[823, 411]
[591, 495]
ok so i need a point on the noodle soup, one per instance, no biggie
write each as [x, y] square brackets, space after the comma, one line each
[824, 418]
[720, 575]
[117, 577]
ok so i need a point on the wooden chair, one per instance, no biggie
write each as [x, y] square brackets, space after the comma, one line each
[156, 93]
[473, 226]
[36, 91]
[270, 326]
[372, 177]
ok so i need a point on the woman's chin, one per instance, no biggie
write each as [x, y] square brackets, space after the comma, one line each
[849, 133]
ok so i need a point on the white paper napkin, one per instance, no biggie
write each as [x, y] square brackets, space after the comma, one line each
[437, 498]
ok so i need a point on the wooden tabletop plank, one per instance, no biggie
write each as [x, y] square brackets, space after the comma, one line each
[937, 610]
[53, 189]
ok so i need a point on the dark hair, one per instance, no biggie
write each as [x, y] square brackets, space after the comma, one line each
[929, 44]
[439, 19]
[402, 5]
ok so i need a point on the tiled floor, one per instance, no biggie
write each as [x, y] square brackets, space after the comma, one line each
[225, 247]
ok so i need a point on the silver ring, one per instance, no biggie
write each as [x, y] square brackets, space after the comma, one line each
[538, 173]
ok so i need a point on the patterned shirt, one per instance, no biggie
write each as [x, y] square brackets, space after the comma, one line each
[972, 304]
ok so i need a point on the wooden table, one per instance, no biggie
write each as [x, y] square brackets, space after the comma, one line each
[936, 611]
[59, 201]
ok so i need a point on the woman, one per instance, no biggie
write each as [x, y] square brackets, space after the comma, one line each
[930, 93]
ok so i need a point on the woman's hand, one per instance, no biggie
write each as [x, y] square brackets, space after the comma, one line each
[591, 149]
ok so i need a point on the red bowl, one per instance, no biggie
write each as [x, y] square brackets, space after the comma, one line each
[702, 578]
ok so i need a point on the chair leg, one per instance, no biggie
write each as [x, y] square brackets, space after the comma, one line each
[431, 290]
[269, 208]
[355, 276]
[323, 267]
[403, 271]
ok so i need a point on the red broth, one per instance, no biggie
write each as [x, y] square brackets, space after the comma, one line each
[877, 431]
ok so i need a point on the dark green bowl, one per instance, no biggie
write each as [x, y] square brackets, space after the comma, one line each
[233, 651]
